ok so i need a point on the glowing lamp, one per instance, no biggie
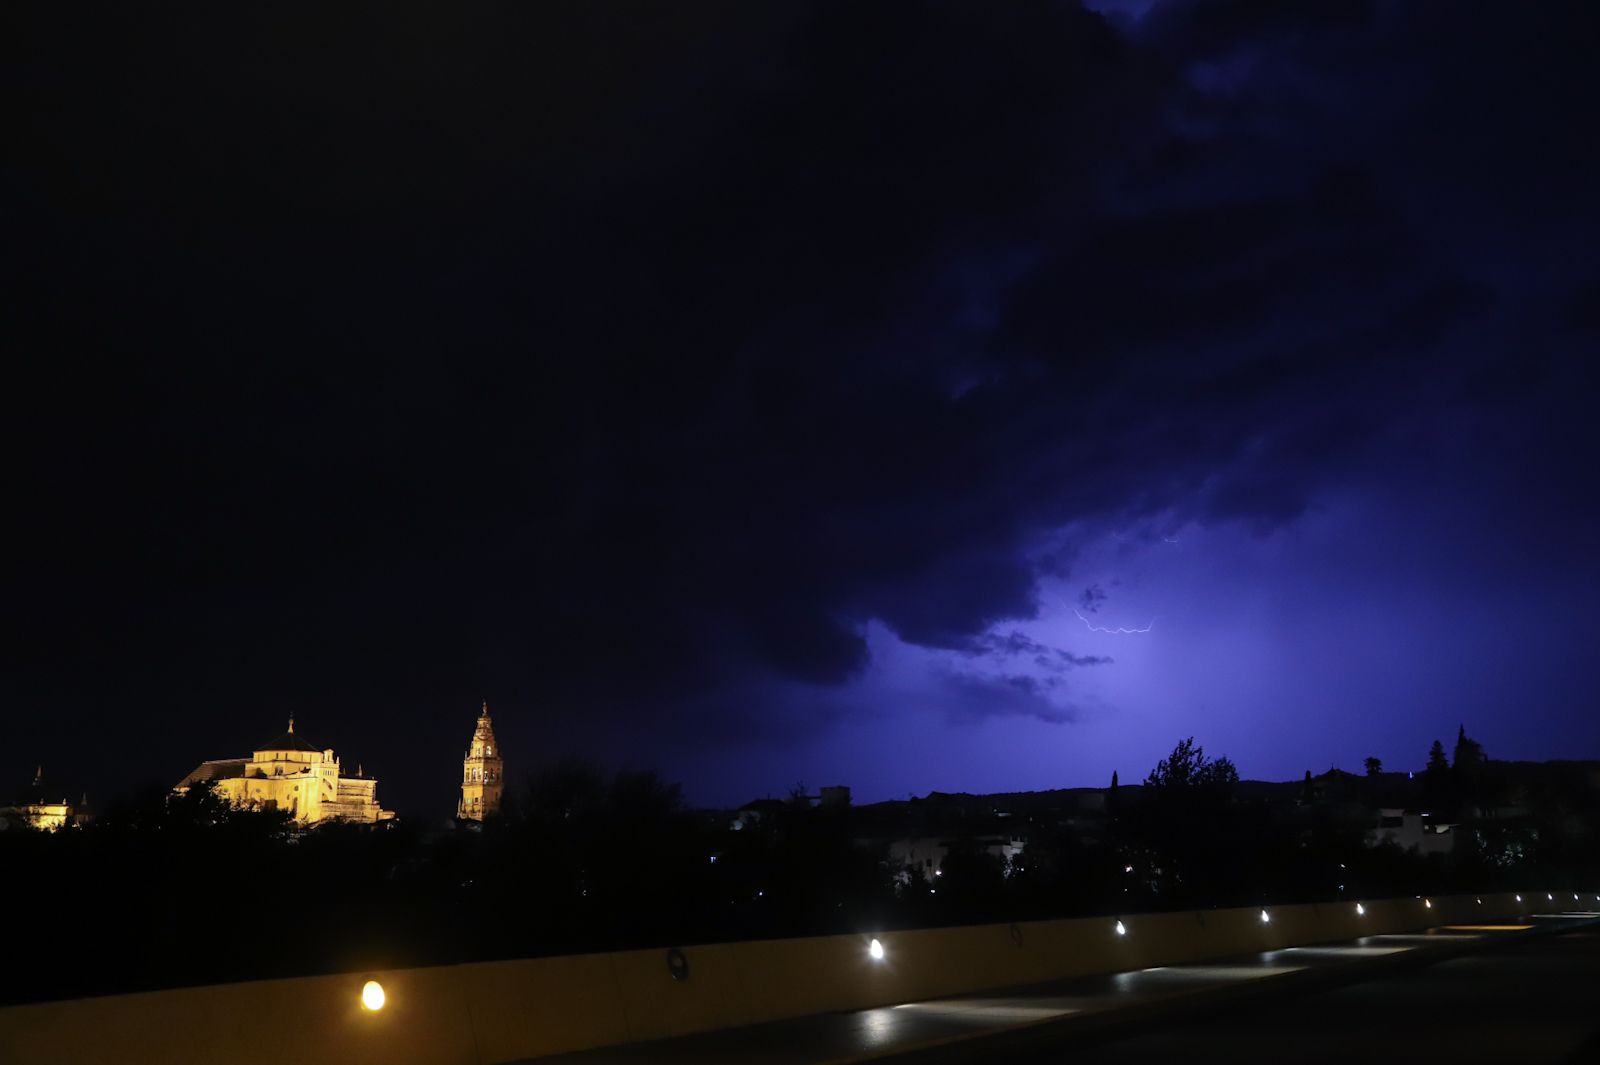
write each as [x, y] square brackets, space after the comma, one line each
[875, 950]
[1266, 918]
[1361, 911]
[1519, 898]
[1549, 896]
[1122, 929]
[1428, 903]
[372, 996]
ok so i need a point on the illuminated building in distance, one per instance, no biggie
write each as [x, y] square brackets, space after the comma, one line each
[289, 774]
[35, 810]
[482, 773]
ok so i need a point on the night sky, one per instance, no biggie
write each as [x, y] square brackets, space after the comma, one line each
[958, 396]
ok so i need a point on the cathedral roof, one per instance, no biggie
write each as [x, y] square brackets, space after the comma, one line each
[288, 742]
[216, 769]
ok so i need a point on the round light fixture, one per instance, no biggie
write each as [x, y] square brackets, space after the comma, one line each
[372, 996]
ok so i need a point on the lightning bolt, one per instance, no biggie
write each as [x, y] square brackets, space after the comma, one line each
[1118, 631]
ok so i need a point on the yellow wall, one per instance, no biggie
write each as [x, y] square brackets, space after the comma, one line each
[493, 1012]
[47, 816]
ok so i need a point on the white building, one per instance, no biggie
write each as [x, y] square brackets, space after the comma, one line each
[1412, 831]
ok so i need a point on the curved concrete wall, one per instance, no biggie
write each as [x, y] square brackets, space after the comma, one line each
[491, 1012]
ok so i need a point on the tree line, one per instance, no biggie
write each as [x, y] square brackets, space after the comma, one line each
[166, 890]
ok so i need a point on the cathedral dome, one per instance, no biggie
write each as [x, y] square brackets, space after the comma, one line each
[288, 742]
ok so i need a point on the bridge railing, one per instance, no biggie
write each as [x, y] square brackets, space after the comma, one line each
[491, 1012]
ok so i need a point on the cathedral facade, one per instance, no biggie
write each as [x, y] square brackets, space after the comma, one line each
[289, 774]
[482, 773]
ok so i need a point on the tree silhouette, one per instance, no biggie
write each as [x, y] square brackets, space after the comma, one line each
[1437, 785]
[1188, 824]
[1188, 767]
[1374, 766]
[1469, 752]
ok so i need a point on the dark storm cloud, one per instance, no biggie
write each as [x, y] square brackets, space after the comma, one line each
[974, 697]
[609, 365]
[1019, 644]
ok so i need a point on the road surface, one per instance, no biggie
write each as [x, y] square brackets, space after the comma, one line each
[1531, 1003]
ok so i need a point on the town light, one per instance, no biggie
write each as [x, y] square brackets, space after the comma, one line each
[1122, 929]
[372, 996]
[875, 949]
[1266, 918]
[1428, 903]
[1361, 911]
[1549, 896]
[1519, 898]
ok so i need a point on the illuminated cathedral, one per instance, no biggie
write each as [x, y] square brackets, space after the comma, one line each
[289, 774]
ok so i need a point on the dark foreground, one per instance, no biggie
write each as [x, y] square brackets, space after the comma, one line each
[1520, 993]
[1531, 1003]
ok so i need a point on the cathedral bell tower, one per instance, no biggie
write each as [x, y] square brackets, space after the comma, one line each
[481, 774]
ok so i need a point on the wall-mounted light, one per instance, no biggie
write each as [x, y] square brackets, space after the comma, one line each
[1361, 911]
[372, 996]
[1428, 903]
[1266, 918]
[875, 950]
[1519, 898]
[1122, 929]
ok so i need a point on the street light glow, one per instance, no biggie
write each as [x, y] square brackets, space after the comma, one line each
[1361, 911]
[1122, 929]
[372, 996]
[1266, 918]
[875, 949]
